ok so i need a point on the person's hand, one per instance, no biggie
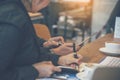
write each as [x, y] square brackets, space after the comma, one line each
[54, 41]
[64, 49]
[39, 4]
[46, 68]
[69, 59]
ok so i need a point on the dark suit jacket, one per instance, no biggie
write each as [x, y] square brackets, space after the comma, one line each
[19, 47]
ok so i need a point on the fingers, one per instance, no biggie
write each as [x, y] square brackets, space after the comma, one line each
[56, 69]
[53, 69]
[46, 68]
[52, 42]
[73, 60]
[78, 60]
[78, 48]
[58, 39]
[61, 39]
[79, 56]
[46, 62]
[69, 44]
[69, 59]
[39, 4]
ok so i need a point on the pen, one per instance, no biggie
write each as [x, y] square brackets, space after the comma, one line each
[55, 46]
[74, 50]
[75, 56]
[81, 44]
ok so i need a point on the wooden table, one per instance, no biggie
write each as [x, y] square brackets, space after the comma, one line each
[90, 51]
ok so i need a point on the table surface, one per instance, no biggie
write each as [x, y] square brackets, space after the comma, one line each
[90, 51]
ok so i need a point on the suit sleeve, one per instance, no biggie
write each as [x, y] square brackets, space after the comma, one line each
[41, 41]
[49, 57]
[46, 54]
[10, 41]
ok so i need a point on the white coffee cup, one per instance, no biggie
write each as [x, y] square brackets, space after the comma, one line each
[112, 46]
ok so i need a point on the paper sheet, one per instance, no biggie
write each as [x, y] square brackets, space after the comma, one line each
[117, 28]
[111, 61]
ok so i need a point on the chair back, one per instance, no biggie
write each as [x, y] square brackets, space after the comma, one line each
[42, 31]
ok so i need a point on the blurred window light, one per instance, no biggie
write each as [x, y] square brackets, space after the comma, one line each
[78, 0]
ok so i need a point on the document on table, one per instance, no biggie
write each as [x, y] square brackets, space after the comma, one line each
[111, 61]
[117, 28]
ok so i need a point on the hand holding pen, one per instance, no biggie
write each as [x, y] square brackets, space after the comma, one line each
[75, 55]
[54, 42]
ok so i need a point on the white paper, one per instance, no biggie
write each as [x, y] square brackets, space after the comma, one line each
[111, 61]
[117, 28]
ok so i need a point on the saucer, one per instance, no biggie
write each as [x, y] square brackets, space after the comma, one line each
[109, 52]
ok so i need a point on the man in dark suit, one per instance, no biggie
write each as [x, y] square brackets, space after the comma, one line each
[21, 56]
